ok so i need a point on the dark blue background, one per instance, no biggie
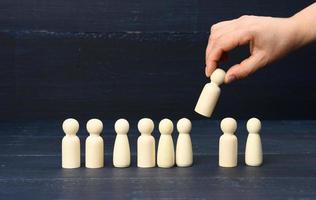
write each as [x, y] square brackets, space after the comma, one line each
[132, 59]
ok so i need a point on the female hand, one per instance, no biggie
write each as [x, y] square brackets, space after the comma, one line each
[268, 38]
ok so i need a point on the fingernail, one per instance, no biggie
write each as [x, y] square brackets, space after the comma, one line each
[206, 72]
[231, 78]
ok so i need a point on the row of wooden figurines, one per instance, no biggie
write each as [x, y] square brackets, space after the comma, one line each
[167, 156]
[146, 152]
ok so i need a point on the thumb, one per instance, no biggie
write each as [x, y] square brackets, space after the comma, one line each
[244, 69]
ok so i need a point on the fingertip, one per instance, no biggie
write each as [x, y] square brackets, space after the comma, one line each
[230, 78]
[206, 72]
[231, 74]
[210, 69]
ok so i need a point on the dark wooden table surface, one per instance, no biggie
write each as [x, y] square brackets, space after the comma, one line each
[30, 166]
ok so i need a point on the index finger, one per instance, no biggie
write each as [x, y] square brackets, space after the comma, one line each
[222, 45]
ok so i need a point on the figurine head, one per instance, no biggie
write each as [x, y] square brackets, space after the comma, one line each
[184, 125]
[121, 126]
[166, 126]
[145, 126]
[229, 125]
[94, 126]
[70, 126]
[253, 125]
[218, 76]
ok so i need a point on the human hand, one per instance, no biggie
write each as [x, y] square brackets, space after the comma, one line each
[268, 38]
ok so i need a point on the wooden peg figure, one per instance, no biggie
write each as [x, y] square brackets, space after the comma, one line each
[228, 144]
[165, 154]
[94, 144]
[253, 152]
[184, 152]
[70, 147]
[121, 150]
[210, 94]
[146, 150]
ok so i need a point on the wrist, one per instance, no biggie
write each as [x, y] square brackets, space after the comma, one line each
[304, 29]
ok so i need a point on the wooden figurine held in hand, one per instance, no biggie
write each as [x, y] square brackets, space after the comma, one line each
[210, 94]
[70, 148]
